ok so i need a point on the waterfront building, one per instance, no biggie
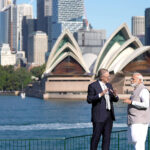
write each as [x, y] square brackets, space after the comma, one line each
[6, 57]
[147, 26]
[38, 42]
[66, 50]
[138, 27]
[123, 52]
[66, 74]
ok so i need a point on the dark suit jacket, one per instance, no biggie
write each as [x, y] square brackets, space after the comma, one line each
[99, 112]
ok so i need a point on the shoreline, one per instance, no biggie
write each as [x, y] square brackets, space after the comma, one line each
[49, 96]
[57, 96]
[7, 93]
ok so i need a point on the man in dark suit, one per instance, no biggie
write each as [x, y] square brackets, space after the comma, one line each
[101, 95]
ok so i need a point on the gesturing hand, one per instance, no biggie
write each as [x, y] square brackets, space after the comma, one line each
[104, 92]
[113, 91]
[127, 100]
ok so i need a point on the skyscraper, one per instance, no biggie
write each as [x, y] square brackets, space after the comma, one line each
[90, 41]
[6, 26]
[28, 27]
[68, 10]
[19, 12]
[147, 26]
[67, 14]
[37, 47]
[11, 24]
[4, 3]
[138, 27]
[61, 15]
[44, 10]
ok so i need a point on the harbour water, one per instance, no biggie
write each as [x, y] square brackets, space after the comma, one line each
[32, 118]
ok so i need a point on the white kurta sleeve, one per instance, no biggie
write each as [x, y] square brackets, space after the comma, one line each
[144, 97]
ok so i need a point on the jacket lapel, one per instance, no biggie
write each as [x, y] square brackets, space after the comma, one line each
[98, 87]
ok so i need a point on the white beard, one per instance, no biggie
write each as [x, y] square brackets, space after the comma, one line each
[134, 85]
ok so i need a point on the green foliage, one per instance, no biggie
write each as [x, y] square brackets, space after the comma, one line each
[38, 71]
[11, 79]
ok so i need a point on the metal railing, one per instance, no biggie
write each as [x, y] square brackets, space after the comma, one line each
[118, 142]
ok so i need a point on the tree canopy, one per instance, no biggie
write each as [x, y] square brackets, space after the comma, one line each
[16, 79]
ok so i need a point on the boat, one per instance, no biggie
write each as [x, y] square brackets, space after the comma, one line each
[23, 95]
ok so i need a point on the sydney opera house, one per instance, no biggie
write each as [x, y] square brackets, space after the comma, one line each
[68, 72]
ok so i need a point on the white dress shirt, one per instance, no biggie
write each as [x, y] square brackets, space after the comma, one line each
[107, 98]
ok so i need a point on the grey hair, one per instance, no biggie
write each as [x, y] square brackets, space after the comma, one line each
[101, 72]
[139, 75]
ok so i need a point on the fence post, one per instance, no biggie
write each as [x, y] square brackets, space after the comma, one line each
[65, 144]
[148, 140]
[29, 145]
[118, 141]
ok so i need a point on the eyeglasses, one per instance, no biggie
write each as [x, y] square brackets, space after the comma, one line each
[106, 76]
[132, 79]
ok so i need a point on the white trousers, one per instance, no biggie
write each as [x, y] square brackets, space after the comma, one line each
[137, 135]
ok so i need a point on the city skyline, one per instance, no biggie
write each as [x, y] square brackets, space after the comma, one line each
[98, 15]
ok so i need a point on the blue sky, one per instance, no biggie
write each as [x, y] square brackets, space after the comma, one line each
[110, 14]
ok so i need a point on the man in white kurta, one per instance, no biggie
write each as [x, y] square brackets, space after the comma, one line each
[138, 113]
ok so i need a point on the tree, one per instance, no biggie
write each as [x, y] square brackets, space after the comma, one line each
[11, 79]
[38, 71]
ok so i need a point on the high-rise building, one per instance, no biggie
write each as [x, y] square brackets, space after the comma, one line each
[11, 24]
[138, 27]
[68, 10]
[54, 16]
[44, 11]
[6, 26]
[90, 41]
[4, 4]
[28, 26]
[66, 14]
[6, 57]
[147, 26]
[19, 12]
[38, 46]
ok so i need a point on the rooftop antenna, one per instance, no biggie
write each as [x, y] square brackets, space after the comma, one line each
[85, 19]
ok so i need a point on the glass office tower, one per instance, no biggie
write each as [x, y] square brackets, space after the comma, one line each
[61, 15]
[147, 26]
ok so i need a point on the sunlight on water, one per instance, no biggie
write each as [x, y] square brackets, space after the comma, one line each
[51, 126]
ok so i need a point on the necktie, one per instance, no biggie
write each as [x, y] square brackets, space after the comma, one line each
[108, 107]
